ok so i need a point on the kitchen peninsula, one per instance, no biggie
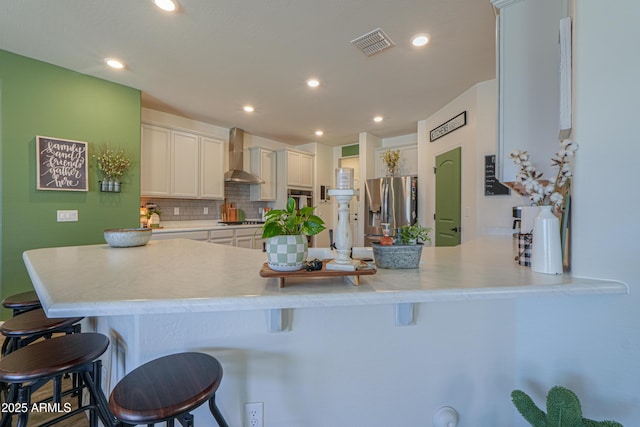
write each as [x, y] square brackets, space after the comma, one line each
[180, 275]
[172, 295]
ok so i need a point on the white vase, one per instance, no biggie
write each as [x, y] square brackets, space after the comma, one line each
[546, 253]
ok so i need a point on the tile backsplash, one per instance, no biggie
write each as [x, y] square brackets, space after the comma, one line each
[193, 209]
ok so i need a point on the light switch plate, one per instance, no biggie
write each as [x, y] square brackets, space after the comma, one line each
[67, 216]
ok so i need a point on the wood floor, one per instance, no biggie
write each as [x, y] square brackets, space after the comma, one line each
[38, 417]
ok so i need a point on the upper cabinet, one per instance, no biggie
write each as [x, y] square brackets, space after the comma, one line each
[528, 82]
[155, 161]
[185, 176]
[211, 168]
[263, 164]
[180, 164]
[298, 167]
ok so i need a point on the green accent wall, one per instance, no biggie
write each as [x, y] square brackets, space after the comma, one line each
[37, 98]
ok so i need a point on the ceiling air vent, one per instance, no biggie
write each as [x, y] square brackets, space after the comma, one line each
[374, 42]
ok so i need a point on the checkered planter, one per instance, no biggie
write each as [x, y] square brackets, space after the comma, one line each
[287, 253]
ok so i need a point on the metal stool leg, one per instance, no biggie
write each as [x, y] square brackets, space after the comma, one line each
[24, 400]
[216, 412]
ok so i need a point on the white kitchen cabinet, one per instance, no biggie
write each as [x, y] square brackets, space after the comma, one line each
[528, 82]
[298, 168]
[249, 237]
[180, 164]
[407, 163]
[185, 172]
[211, 168]
[202, 235]
[263, 164]
[222, 237]
[155, 160]
[244, 237]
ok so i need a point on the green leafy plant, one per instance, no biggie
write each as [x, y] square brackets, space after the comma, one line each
[411, 234]
[151, 211]
[563, 410]
[291, 222]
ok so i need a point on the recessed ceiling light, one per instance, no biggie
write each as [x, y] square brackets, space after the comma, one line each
[377, 119]
[319, 133]
[313, 83]
[248, 108]
[420, 40]
[114, 63]
[168, 5]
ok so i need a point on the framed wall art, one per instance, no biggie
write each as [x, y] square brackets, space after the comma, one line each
[62, 164]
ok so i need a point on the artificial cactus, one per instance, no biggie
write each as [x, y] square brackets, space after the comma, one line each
[563, 410]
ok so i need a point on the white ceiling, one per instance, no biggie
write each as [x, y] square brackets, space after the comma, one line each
[212, 57]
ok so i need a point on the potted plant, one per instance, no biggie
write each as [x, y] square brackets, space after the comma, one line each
[287, 230]
[563, 410]
[413, 234]
[406, 251]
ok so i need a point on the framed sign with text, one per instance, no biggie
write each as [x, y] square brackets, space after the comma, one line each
[62, 164]
[448, 126]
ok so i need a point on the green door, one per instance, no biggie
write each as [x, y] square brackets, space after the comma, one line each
[448, 216]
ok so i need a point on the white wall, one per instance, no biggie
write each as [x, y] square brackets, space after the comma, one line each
[592, 344]
[480, 214]
[345, 366]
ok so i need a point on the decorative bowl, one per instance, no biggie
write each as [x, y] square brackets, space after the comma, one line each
[127, 237]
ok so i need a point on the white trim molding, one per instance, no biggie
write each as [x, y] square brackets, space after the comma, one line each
[501, 4]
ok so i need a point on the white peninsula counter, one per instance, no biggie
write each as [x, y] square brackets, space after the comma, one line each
[303, 348]
[180, 275]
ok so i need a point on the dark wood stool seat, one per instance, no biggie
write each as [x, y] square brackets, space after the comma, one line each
[167, 389]
[29, 326]
[22, 302]
[29, 368]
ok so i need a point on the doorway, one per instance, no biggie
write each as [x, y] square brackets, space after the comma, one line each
[354, 205]
[448, 198]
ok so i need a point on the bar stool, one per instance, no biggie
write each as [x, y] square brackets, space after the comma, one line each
[32, 325]
[29, 368]
[22, 302]
[167, 389]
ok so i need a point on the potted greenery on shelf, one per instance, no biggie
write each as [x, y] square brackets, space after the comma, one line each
[406, 251]
[287, 230]
[112, 163]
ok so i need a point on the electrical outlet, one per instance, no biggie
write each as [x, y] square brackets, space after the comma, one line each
[253, 413]
[176, 211]
[206, 211]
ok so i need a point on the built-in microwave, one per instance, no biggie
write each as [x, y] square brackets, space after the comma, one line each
[302, 197]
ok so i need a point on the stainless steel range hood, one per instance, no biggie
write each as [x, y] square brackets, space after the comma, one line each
[236, 173]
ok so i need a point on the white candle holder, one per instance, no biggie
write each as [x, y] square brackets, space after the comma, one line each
[343, 241]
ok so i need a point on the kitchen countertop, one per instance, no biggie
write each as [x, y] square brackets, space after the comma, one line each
[186, 226]
[181, 275]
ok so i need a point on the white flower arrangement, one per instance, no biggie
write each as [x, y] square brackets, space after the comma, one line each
[542, 192]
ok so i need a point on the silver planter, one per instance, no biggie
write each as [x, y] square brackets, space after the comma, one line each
[397, 256]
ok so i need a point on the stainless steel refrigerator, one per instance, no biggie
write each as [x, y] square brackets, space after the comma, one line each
[392, 200]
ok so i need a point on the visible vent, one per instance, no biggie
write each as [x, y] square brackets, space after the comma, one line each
[374, 42]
